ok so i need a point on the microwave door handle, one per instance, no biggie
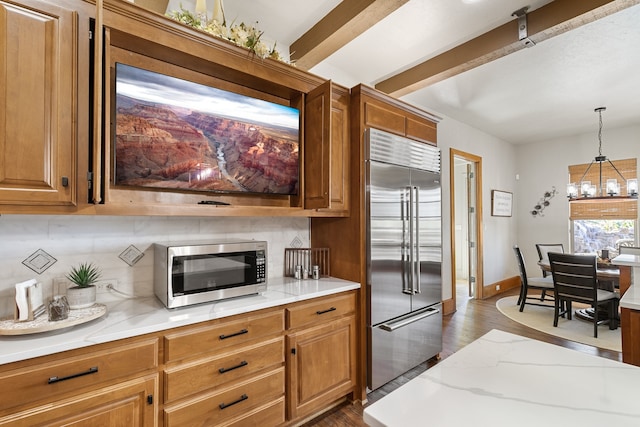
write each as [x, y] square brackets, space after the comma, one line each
[405, 250]
[416, 260]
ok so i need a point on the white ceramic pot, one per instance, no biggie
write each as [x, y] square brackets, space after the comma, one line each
[81, 297]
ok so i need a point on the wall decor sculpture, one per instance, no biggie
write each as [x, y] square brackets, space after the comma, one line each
[543, 202]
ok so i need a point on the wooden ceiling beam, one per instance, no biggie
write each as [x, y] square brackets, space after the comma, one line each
[344, 23]
[548, 21]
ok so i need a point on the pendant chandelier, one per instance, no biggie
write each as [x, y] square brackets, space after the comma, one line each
[609, 189]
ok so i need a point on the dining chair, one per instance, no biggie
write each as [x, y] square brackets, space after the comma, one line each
[575, 279]
[543, 249]
[630, 250]
[542, 284]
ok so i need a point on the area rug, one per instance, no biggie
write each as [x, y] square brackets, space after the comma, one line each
[541, 319]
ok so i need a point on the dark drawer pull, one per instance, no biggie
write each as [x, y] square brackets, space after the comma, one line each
[224, 337]
[223, 370]
[326, 311]
[92, 370]
[226, 405]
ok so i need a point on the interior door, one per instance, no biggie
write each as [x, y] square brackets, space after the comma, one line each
[388, 207]
[427, 199]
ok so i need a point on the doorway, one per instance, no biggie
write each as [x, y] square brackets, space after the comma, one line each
[466, 220]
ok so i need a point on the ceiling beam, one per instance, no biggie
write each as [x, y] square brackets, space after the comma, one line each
[548, 21]
[344, 23]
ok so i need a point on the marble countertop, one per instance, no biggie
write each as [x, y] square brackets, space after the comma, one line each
[631, 298]
[502, 379]
[131, 317]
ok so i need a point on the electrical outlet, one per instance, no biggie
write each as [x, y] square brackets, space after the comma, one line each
[497, 287]
[102, 286]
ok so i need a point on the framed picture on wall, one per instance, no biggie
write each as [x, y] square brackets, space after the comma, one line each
[501, 202]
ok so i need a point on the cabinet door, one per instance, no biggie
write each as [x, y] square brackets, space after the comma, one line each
[326, 149]
[321, 364]
[317, 129]
[339, 166]
[131, 403]
[37, 87]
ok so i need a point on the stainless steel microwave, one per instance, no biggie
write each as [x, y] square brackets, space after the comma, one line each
[187, 273]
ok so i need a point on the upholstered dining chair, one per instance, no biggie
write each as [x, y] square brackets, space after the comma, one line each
[575, 279]
[542, 284]
[543, 249]
[630, 250]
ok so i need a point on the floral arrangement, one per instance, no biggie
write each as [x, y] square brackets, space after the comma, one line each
[240, 34]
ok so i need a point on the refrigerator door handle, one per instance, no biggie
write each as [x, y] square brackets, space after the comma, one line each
[416, 259]
[407, 320]
[412, 241]
[407, 264]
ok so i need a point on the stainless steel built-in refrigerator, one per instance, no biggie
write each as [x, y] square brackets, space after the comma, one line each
[404, 244]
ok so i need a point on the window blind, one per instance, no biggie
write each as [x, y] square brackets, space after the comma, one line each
[604, 209]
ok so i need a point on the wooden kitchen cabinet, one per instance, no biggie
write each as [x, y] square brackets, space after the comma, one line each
[38, 79]
[321, 358]
[326, 172]
[129, 403]
[116, 382]
[227, 371]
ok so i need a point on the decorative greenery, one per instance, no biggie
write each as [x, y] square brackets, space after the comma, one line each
[86, 274]
[240, 34]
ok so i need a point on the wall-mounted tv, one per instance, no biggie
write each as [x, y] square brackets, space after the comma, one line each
[175, 134]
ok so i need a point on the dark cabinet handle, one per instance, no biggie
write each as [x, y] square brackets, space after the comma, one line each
[226, 405]
[326, 311]
[223, 370]
[65, 181]
[224, 337]
[92, 370]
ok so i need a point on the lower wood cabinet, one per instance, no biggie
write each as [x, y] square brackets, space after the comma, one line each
[130, 403]
[273, 367]
[321, 358]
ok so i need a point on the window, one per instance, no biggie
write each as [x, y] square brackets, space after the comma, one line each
[590, 236]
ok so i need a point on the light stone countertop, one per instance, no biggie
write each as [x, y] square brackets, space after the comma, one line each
[127, 318]
[631, 298]
[502, 379]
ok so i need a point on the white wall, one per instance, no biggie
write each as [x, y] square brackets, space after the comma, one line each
[100, 239]
[498, 173]
[543, 165]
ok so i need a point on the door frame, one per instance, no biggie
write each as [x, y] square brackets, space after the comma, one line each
[477, 160]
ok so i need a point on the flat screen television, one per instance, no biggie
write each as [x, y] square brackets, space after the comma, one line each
[172, 133]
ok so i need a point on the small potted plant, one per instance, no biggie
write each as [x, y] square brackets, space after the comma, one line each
[83, 294]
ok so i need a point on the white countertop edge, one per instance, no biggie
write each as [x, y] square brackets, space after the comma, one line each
[139, 316]
[631, 298]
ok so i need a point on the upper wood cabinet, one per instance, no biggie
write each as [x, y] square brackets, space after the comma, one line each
[326, 171]
[383, 112]
[38, 78]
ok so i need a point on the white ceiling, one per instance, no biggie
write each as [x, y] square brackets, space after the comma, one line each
[539, 93]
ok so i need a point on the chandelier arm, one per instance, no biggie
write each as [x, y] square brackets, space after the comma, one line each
[587, 171]
[616, 169]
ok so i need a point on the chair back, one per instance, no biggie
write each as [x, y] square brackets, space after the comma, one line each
[545, 248]
[574, 276]
[631, 250]
[521, 266]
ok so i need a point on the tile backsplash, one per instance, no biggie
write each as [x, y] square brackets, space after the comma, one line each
[102, 239]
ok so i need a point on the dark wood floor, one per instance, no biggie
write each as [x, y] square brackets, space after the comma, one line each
[471, 321]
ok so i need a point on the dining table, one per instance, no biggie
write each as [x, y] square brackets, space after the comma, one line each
[609, 275]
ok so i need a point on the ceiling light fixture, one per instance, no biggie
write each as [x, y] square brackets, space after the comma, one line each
[585, 190]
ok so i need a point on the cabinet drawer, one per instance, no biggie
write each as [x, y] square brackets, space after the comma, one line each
[217, 337]
[320, 311]
[211, 372]
[269, 415]
[56, 377]
[232, 402]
